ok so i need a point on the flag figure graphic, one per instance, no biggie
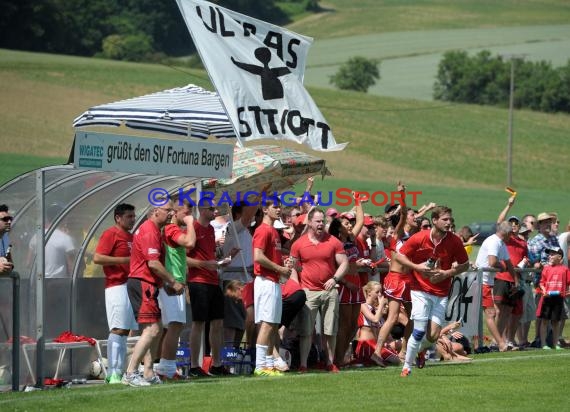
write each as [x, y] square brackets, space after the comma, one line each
[257, 69]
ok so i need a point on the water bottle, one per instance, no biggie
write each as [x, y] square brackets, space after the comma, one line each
[79, 381]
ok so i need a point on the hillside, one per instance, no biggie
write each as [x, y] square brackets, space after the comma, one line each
[457, 153]
[444, 144]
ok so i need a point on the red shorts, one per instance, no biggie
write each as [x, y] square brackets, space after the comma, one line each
[351, 297]
[144, 300]
[487, 297]
[247, 295]
[397, 286]
[366, 348]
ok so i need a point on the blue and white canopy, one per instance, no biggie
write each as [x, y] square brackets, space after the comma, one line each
[186, 111]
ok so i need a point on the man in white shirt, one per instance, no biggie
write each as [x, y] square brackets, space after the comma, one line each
[493, 254]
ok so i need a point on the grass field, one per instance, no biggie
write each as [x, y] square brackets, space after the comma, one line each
[522, 381]
[456, 153]
[409, 59]
[343, 18]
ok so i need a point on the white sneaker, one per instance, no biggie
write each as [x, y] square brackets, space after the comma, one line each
[155, 380]
[134, 379]
[281, 365]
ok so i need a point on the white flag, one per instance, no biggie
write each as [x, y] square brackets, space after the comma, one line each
[257, 69]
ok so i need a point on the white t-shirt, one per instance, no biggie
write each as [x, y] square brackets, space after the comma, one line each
[57, 247]
[234, 271]
[492, 246]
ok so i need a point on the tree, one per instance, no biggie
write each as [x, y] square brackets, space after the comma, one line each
[358, 73]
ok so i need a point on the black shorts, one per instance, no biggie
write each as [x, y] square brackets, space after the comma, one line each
[144, 300]
[502, 292]
[207, 302]
[551, 308]
[291, 306]
[234, 313]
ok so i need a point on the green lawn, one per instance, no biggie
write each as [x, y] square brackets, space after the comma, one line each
[522, 381]
[409, 60]
[349, 18]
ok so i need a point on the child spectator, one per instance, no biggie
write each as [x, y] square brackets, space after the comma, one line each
[369, 322]
[554, 285]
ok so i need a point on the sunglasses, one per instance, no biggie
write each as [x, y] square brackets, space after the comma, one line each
[7, 218]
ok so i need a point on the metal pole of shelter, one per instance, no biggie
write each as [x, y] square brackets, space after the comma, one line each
[40, 269]
[15, 331]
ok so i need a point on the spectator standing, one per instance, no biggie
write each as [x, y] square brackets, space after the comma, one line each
[554, 286]
[206, 296]
[493, 254]
[268, 269]
[508, 291]
[234, 319]
[350, 291]
[147, 274]
[173, 307]
[435, 256]
[322, 263]
[538, 258]
[529, 221]
[114, 253]
[5, 226]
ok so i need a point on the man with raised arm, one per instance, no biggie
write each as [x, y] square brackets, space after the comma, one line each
[435, 256]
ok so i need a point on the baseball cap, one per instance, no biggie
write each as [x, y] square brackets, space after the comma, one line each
[554, 249]
[278, 224]
[331, 211]
[543, 216]
[348, 215]
[368, 221]
[513, 218]
[523, 230]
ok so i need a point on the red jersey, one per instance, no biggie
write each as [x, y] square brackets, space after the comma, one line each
[147, 245]
[117, 243]
[205, 249]
[555, 279]
[420, 247]
[172, 233]
[318, 261]
[267, 239]
[517, 249]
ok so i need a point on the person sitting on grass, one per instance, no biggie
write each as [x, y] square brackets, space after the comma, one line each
[449, 350]
[554, 285]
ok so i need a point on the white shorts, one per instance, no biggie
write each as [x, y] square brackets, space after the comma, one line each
[119, 310]
[426, 306]
[172, 308]
[267, 303]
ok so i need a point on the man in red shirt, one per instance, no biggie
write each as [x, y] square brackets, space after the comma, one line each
[320, 263]
[114, 253]
[434, 256]
[147, 275]
[206, 297]
[268, 268]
